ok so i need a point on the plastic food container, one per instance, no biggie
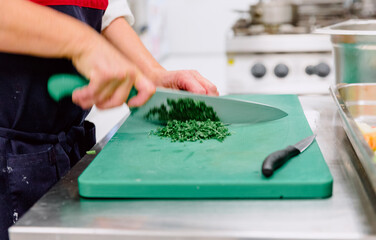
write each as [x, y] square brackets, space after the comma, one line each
[354, 50]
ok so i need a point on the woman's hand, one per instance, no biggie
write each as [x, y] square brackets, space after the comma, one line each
[188, 80]
[44, 32]
[122, 36]
[111, 78]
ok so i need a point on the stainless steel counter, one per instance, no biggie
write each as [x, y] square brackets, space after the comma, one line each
[348, 214]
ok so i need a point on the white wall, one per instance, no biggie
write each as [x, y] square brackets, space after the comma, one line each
[191, 26]
[200, 26]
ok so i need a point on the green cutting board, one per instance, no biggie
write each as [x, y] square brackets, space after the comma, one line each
[135, 164]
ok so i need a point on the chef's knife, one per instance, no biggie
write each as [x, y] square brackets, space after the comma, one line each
[276, 159]
[62, 85]
[228, 110]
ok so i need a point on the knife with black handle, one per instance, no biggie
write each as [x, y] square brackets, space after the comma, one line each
[276, 159]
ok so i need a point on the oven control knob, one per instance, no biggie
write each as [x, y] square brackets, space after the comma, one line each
[322, 70]
[281, 70]
[258, 70]
[310, 70]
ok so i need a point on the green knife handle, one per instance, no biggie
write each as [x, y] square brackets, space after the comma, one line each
[63, 85]
[276, 159]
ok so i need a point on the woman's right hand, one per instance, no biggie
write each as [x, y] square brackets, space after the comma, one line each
[111, 77]
[44, 32]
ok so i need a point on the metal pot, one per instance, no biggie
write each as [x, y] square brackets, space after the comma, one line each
[354, 48]
[273, 13]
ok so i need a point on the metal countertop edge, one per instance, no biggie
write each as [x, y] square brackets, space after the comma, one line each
[52, 231]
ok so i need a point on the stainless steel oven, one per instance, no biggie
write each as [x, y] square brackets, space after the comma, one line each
[271, 48]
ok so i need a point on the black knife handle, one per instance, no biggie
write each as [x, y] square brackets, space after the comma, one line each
[277, 159]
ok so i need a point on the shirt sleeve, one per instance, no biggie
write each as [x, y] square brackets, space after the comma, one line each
[115, 9]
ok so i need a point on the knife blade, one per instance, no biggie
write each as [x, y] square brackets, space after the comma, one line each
[276, 159]
[228, 110]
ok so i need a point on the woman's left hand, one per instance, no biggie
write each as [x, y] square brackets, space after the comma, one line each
[121, 35]
[188, 80]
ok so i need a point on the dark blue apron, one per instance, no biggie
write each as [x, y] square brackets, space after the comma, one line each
[40, 140]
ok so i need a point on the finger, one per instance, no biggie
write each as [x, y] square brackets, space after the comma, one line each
[210, 88]
[105, 83]
[145, 89]
[86, 96]
[100, 88]
[189, 83]
[107, 91]
[118, 97]
[121, 93]
[82, 97]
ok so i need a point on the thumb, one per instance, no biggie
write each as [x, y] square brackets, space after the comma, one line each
[145, 89]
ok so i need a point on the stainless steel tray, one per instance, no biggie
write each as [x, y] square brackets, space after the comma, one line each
[357, 102]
